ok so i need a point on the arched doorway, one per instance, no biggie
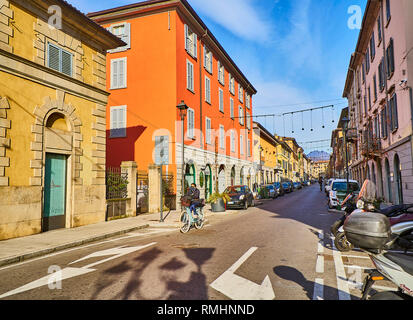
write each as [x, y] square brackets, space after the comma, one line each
[398, 179]
[208, 181]
[373, 174]
[56, 177]
[379, 178]
[241, 177]
[190, 177]
[233, 176]
[221, 179]
[389, 189]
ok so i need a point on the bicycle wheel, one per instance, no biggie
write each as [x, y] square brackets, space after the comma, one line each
[185, 227]
[201, 220]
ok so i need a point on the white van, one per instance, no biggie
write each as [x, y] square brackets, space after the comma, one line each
[328, 185]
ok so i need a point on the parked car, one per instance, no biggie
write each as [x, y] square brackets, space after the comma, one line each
[288, 187]
[272, 193]
[338, 191]
[297, 185]
[241, 197]
[279, 188]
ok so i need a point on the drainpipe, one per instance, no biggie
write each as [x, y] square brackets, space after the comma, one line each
[201, 61]
[411, 119]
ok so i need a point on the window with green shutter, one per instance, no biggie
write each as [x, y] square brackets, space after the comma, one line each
[59, 59]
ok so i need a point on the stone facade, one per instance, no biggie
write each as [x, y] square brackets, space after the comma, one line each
[44, 113]
[379, 92]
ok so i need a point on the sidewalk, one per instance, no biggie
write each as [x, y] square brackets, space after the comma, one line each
[24, 248]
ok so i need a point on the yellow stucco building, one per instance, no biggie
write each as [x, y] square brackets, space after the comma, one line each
[265, 155]
[52, 117]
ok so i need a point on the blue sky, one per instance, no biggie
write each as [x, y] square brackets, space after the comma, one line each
[295, 53]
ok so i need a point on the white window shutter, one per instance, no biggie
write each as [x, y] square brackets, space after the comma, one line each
[114, 74]
[112, 118]
[195, 45]
[123, 121]
[110, 29]
[121, 73]
[127, 36]
[205, 57]
[186, 38]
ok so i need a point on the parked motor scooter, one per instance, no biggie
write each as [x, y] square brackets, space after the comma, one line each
[365, 202]
[371, 232]
[347, 206]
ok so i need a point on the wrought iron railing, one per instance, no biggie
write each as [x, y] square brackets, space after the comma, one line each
[116, 184]
[371, 147]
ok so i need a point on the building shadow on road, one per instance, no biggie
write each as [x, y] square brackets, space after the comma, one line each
[308, 206]
[294, 275]
[136, 266]
[196, 287]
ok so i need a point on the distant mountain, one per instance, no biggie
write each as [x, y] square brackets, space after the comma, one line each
[319, 156]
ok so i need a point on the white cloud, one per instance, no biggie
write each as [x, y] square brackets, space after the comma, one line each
[240, 17]
[273, 97]
[303, 44]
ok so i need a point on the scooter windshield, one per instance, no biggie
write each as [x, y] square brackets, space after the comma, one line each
[368, 191]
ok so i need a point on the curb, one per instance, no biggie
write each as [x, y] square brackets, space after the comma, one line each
[35, 254]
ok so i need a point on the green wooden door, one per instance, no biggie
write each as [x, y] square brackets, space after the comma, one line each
[54, 209]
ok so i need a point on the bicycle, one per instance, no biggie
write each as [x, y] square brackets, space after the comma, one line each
[189, 221]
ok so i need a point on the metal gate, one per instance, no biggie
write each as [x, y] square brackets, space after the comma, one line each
[142, 192]
[116, 193]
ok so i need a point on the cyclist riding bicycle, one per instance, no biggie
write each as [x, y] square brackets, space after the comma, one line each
[194, 194]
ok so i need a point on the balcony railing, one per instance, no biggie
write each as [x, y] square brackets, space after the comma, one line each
[371, 148]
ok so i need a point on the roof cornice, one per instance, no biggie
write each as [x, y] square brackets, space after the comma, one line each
[185, 9]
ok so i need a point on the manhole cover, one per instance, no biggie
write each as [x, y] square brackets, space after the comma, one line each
[186, 245]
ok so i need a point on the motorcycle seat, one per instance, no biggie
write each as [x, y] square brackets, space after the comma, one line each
[406, 217]
[403, 260]
[395, 209]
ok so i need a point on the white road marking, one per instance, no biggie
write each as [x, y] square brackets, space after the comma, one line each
[318, 289]
[357, 267]
[67, 273]
[342, 285]
[357, 257]
[238, 288]
[135, 235]
[320, 264]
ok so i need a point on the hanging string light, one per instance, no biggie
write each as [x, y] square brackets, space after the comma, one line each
[311, 116]
[322, 115]
[302, 120]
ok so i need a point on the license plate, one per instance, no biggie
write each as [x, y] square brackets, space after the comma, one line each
[231, 202]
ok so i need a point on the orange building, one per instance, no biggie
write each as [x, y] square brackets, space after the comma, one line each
[171, 56]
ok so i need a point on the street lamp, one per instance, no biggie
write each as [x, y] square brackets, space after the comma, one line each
[182, 107]
[345, 122]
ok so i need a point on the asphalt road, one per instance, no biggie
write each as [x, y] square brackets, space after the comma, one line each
[280, 250]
